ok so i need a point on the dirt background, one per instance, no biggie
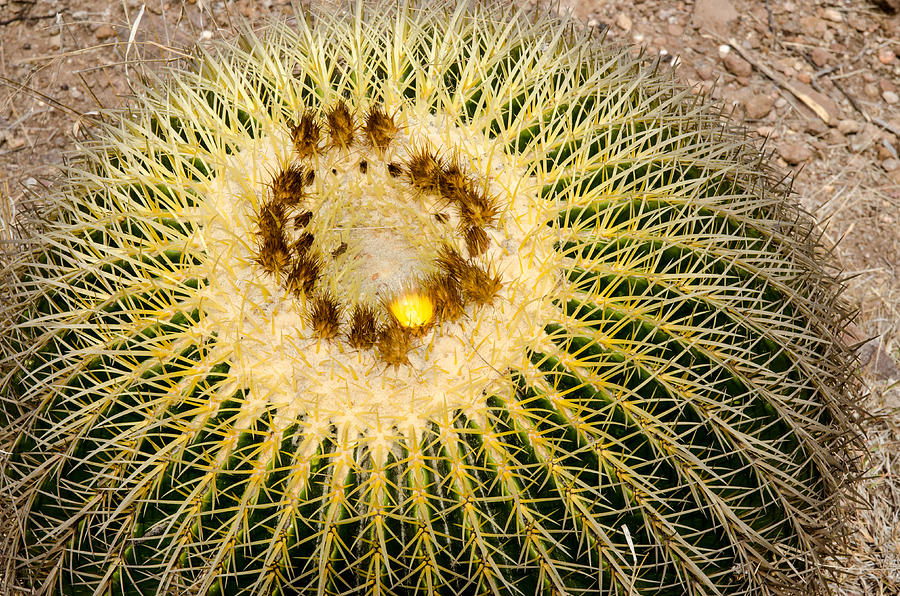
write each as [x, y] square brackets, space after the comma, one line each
[816, 83]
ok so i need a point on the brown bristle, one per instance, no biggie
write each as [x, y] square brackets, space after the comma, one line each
[475, 283]
[477, 240]
[302, 219]
[287, 185]
[273, 254]
[443, 289]
[303, 243]
[325, 315]
[341, 126]
[309, 177]
[341, 249]
[379, 128]
[442, 217]
[476, 207]
[453, 181]
[363, 166]
[424, 170]
[394, 169]
[363, 327]
[479, 286]
[304, 273]
[451, 262]
[394, 343]
[305, 135]
[271, 218]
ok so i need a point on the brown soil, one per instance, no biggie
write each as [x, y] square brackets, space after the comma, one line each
[815, 80]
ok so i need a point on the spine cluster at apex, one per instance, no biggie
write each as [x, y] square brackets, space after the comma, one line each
[287, 249]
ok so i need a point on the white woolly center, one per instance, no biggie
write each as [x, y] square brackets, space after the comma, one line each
[391, 235]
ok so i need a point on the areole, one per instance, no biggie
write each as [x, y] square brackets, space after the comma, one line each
[386, 237]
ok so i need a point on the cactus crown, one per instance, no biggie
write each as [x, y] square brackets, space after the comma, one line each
[422, 299]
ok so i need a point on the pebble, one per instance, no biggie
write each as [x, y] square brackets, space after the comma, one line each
[891, 164]
[830, 14]
[886, 55]
[674, 29]
[871, 90]
[794, 152]
[848, 127]
[780, 102]
[887, 85]
[758, 106]
[704, 71]
[885, 152]
[890, 97]
[834, 137]
[820, 57]
[104, 32]
[737, 65]
[877, 361]
[55, 41]
[623, 22]
[815, 126]
[766, 131]
[15, 143]
[864, 138]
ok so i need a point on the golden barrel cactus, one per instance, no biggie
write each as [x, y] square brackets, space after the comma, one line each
[420, 299]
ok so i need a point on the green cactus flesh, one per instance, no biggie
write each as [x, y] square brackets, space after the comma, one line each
[421, 300]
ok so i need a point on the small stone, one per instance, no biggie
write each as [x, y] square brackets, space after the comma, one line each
[876, 361]
[871, 90]
[714, 15]
[780, 102]
[737, 65]
[848, 127]
[794, 152]
[704, 71]
[820, 57]
[674, 29]
[887, 85]
[885, 151]
[104, 32]
[890, 164]
[864, 138]
[815, 126]
[830, 14]
[890, 97]
[835, 137]
[15, 142]
[75, 93]
[766, 131]
[804, 77]
[55, 41]
[886, 55]
[758, 106]
[30, 182]
[623, 22]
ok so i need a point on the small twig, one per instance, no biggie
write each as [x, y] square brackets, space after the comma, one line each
[808, 101]
[22, 17]
[852, 100]
[43, 96]
[824, 71]
[771, 23]
[887, 126]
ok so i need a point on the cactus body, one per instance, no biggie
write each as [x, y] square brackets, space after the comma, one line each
[421, 300]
